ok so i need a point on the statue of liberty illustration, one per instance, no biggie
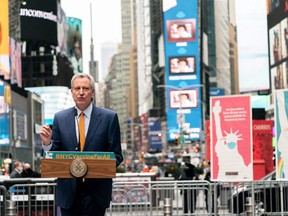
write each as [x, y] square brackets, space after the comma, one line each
[230, 161]
[282, 130]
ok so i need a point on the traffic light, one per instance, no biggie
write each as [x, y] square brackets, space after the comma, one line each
[176, 141]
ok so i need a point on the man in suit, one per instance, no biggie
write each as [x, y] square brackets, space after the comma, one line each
[102, 134]
[18, 169]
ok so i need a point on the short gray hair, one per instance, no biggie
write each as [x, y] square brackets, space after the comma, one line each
[83, 75]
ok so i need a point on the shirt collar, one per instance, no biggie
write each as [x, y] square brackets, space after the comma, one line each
[87, 111]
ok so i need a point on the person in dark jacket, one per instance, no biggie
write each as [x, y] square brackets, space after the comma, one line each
[189, 194]
[28, 172]
[18, 169]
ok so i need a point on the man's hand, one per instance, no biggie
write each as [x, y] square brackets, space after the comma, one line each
[46, 134]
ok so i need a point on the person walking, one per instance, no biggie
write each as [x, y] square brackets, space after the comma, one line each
[76, 196]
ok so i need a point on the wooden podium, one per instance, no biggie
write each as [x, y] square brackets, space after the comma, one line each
[65, 164]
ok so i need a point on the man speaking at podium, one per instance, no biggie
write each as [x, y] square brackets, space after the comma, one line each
[84, 127]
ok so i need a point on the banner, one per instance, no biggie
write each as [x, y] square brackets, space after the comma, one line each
[15, 62]
[4, 40]
[262, 146]
[281, 126]
[231, 138]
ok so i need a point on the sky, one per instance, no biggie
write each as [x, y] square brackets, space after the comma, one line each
[252, 39]
[251, 29]
[106, 24]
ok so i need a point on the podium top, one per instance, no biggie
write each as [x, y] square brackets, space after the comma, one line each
[77, 154]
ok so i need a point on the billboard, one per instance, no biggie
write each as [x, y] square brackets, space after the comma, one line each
[5, 99]
[15, 62]
[231, 138]
[182, 69]
[155, 140]
[4, 40]
[281, 129]
[39, 21]
[278, 43]
[62, 30]
[74, 43]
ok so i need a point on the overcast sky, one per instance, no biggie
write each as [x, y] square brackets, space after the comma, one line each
[251, 20]
[251, 29]
[106, 23]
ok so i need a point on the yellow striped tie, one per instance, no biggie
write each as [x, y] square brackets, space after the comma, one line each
[81, 127]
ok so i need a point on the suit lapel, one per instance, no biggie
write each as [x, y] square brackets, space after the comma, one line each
[93, 126]
[70, 120]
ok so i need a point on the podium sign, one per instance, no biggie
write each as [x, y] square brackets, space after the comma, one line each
[78, 164]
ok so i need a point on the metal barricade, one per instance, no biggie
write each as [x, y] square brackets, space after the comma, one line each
[138, 198]
[3, 193]
[27, 197]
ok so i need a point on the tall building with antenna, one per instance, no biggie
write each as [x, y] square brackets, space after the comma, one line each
[93, 66]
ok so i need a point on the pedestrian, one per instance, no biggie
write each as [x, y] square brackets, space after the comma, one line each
[189, 193]
[208, 178]
[79, 196]
[28, 172]
[18, 169]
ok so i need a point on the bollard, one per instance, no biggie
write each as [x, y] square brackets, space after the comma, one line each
[248, 206]
[167, 207]
[11, 209]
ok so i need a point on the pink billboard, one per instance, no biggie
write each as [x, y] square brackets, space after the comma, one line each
[231, 138]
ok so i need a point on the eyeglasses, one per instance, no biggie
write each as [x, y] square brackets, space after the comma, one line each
[84, 89]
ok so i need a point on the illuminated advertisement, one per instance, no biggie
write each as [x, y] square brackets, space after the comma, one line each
[278, 43]
[56, 98]
[4, 114]
[155, 133]
[182, 69]
[281, 123]
[4, 40]
[39, 21]
[74, 43]
[15, 62]
[231, 138]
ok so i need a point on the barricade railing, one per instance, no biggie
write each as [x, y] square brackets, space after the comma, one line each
[27, 197]
[3, 198]
[189, 198]
[156, 198]
[148, 198]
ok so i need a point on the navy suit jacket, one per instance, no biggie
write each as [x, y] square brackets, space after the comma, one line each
[103, 135]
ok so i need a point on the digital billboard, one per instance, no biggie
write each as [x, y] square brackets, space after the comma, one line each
[39, 21]
[15, 62]
[231, 138]
[4, 40]
[278, 43]
[74, 43]
[182, 70]
[4, 113]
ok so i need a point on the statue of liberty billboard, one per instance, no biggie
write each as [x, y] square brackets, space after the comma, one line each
[231, 138]
[281, 129]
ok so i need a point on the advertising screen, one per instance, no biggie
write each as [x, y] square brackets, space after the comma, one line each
[182, 70]
[181, 30]
[4, 40]
[180, 99]
[182, 65]
[231, 138]
[74, 43]
[39, 21]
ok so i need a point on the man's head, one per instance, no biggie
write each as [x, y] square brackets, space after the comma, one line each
[82, 89]
[26, 166]
[18, 166]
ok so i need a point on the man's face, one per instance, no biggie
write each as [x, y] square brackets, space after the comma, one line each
[82, 92]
